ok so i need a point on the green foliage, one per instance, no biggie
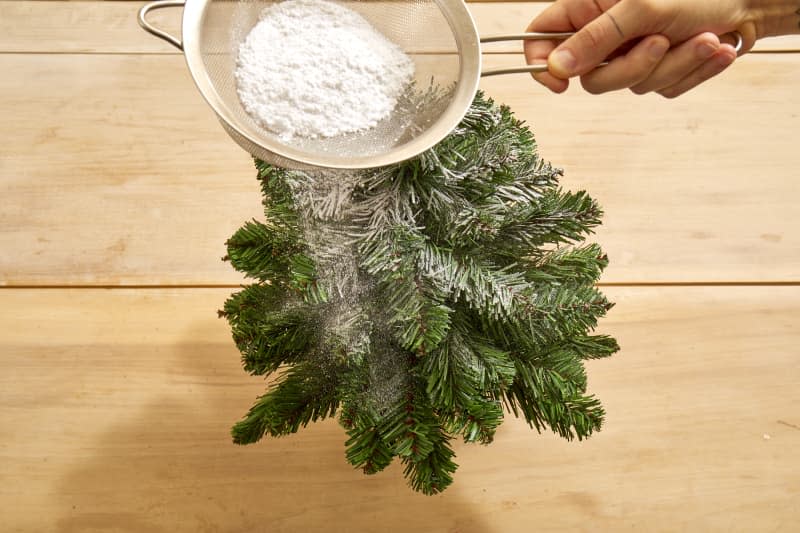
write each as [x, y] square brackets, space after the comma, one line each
[366, 447]
[443, 289]
[304, 394]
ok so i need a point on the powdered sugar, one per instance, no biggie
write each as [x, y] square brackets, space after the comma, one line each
[313, 68]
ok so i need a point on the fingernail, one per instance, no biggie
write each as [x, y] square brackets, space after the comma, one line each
[563, 63]
[706, 50]
[658, 48]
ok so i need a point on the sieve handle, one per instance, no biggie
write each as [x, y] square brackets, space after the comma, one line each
[555, 36]
[161, 34]
[737, 37]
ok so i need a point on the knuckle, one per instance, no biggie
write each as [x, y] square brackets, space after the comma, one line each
[640, 89]
[594, 35]
[649, 9]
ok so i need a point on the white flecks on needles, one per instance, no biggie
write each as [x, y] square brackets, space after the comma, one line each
[313, 68]
[324, 201]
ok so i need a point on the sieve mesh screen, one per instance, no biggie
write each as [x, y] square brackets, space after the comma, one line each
[418, 27]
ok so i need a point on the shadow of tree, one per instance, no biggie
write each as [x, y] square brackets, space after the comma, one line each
[172, 466]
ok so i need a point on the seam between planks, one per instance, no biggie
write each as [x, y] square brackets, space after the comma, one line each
[142, 53]
[238, 286]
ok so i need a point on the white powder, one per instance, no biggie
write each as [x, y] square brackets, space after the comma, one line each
[312, 68]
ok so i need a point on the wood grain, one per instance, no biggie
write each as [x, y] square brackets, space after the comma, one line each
[110, 27]
[114, 171]
[691, 185]
[116, 406]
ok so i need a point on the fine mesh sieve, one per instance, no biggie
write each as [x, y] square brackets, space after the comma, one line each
[439, 36]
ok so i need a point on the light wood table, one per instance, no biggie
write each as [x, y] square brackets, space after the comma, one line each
[118, 383]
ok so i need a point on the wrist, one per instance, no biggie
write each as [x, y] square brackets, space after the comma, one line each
[773, 17]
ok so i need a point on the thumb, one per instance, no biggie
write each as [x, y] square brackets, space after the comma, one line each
[593, 43]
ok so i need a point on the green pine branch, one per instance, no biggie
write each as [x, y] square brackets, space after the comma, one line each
[578, 265]
[545, 398]
[465, 381]
[264, 252]
[430, 296]
[366, 447]
[556, 218]
[304, 394]
[433, 473]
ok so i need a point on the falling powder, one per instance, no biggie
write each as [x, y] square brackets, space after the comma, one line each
[312, 68]
[329, 215]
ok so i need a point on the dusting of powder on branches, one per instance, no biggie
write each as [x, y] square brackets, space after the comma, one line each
[422, 302]
[312, 68]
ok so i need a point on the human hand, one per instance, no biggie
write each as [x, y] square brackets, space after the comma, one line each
[668, 46]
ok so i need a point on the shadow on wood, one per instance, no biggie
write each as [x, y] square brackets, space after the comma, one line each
[172, 467]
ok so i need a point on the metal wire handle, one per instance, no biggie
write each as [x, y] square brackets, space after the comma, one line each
[161, 34]
[530, 36]
[525, 37]
[739, 42]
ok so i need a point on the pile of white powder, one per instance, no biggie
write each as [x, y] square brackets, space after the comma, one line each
[311, 68]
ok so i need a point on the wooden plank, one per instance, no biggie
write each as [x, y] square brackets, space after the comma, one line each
[109, 160]
[116, 406]
[110, 27]
[700, 188]
[114, 171]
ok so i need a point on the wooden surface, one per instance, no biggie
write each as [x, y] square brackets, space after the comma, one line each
[91, 26]
[94, 141]
[118, 384]
[117, 406]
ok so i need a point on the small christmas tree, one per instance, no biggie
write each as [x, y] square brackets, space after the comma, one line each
[416, 300]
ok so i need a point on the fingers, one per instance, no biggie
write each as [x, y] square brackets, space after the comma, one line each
[718, 62]
[632, 33]
[586, 49]
[561, 16]
[650, 68]
[557, 85]
[536, 53]
[629, 69]
[679, 63]
[595, 41]
[555, 18]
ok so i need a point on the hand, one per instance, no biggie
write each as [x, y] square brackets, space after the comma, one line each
[671, 45]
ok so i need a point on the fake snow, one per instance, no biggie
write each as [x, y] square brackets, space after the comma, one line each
[313, 68]
[324, 200]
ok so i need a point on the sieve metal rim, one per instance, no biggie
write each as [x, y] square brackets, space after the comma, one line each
[465, 34]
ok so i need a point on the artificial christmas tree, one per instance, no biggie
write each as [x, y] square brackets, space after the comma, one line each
[416, 301]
